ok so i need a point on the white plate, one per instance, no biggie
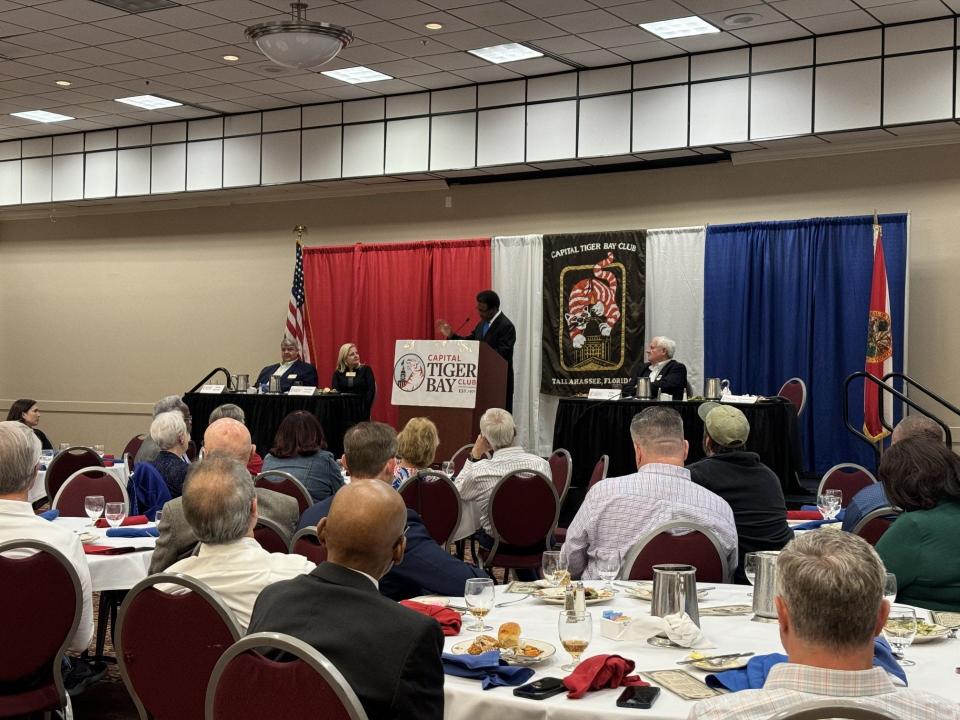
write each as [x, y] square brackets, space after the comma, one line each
[938, 632]
[545, 648]
[645, 592]
[556, 596]
[87, 537]
[438, 600]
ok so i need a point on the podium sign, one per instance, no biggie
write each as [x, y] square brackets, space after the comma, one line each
[436, 373]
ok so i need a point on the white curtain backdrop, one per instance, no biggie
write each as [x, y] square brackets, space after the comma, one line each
[675, 294]
[518, 279]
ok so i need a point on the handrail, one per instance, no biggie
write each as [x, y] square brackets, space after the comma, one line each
[925, 390]
[210, 375]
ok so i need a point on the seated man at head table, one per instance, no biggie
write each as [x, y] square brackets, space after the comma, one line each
[177, 539]
[370, 451]
[830, 607]
[618, 512]
[220, 505]
[291, 369]
[389, 655]
[148, 448]
[752, 489]
[667, 376]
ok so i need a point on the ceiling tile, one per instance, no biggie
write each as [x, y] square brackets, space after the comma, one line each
[187, 81]
[595, 58]
[182, 17]
[472, 39]
[12, 68]
[228, 75]
[699, 7]
[491, 73]
[231, 34]
[454, 61]
[450, 23]
[350, 92]
[188, 63]
[403, 68]
[438, 80]
[528, 30]
[809, 8]
[134, 26]
[32, 18]
[379, 32]
[185, 41]
[587, 21]
[11, 51]
[547, 8]
[538, 66]
[390, 9]
[566, 44]
[138, 49]
[95, 56]
[448, 4]
[838, 22]
[395, 87]
[340, 15]
[299, 97]
[771, 33]
[44, 42]
[767, 16]
[905, 12]
[82, 10]
[313, 81]
[648, 51]
[267, 87]
[365, 54]
[627, 35]
[418, 48]
[703, 43]
[238, 10]
[225, 92]
[650, 11]
[142, 68]
[90, 34]
[495, 13]
[225, 106]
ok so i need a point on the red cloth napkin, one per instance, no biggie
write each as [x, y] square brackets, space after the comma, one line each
[803, 515]
[599, 672]
[449, 619]
[132, 520]
[106, 550]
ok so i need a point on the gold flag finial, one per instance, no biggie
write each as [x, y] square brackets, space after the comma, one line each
[300, 230]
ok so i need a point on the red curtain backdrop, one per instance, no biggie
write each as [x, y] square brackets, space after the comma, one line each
[373, 295]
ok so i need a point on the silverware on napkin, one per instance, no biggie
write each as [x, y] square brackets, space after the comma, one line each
[729, 656]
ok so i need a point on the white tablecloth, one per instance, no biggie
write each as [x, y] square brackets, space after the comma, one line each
[464, 699]
[469, 519]
[38, 490]
[115, 572]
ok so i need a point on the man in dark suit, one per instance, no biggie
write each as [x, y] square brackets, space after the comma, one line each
[389, 655]
[495, 329]
[666, 374]
[370, 454]
[291, 369]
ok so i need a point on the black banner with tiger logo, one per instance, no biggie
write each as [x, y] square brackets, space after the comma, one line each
[594, 288]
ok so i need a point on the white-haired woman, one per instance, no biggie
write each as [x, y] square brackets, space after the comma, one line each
[351, 376]
[169, 431]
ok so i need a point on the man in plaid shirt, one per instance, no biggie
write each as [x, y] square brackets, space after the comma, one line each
[830, 606]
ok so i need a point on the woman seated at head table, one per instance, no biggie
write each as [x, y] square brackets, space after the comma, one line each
[353, 377]
[298, 449]
[169, 431]
[28, 412]
[417, 445]
[922, 476]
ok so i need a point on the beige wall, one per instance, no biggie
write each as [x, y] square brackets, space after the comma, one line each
[102, 314]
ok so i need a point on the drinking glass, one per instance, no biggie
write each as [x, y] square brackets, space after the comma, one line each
[98, 449]
[837, 496]
[828, 503]
[900, 630]
[478, 595]
[576, 632]
[156, 518]
[64, 446]
[93, 507]
[608, 566]
[750, 562]
[890, 588]
[115, 513]
[447, 467]
[554, 567]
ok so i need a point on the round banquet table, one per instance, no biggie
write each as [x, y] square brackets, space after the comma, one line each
[114, 572]
[464, 698]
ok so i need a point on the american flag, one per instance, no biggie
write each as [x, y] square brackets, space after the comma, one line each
[295, 324]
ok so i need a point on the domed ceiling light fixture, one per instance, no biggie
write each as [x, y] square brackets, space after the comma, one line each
[298, 42]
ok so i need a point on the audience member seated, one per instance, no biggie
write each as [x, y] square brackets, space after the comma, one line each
[619, 511]
[28, 412]
[830, 607]
[220, 506]
[351, 376]
[666, 375]
[170, 434]
[298, 450]
[148, 448]
[388, 654]
[291, 369]
[923, 477]
[873, 496]
[417, 446]
[235, 412]
[750, 488]
[232, 439]
[370, 450]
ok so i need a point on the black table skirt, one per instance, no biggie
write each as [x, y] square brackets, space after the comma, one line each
[336, 413]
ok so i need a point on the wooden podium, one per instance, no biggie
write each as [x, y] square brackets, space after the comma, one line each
[458, 426]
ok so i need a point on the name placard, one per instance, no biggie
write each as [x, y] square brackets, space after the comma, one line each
[603, 394]
[302, 390]
[211, 389]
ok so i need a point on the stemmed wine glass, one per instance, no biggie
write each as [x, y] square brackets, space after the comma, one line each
[447, 467]
[608, 566]
[116, 512]
[750, 562]
[554, 567]
[829, 502]
[93, 507]
[576, 632]
[478, 595]
[890, 588]
[900, 630]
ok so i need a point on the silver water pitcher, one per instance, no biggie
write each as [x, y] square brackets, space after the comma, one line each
[765, 585]
[273, 384]
[711, 388]
[241, 383]
[674, 591]
[644, 391]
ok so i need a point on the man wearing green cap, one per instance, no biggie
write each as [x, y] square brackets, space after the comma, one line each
[750, 488]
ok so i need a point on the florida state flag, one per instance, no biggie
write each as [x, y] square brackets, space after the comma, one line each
[879, 343]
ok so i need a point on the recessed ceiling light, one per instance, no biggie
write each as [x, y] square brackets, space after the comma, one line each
[64, 83]
[42, 116]
[355, 75]
[680, 27]
[149, 102]
[230, 58]
[137, 6]
[433, 26]
[741, 19]
[505, 53]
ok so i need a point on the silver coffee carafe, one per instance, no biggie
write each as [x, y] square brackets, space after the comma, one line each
[674, 591]
[765, 585]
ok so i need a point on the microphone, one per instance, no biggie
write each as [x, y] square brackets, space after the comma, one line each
[457, 331]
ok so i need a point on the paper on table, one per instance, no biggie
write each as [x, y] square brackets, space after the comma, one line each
[680, 629]
[740, 399]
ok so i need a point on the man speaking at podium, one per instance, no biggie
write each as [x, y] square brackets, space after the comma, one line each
[291, 369]
[495, 329]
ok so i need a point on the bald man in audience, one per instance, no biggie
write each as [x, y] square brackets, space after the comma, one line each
[388, 654]
[177, 539]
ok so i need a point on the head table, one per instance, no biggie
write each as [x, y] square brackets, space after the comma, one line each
[465, 700]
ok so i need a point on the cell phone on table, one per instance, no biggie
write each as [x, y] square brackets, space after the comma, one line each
[638, 697]
[541, 689]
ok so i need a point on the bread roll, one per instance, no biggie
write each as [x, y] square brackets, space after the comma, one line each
[508, 636]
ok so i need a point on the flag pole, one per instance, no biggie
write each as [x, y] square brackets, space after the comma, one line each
[299, 230]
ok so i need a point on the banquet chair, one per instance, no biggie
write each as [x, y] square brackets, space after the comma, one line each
[47, 588]
[133, 447]
[523, 511]
[286, 484]
[168, 644]
[459, 458]
[699, 548]
[850, 478]
[65, 463]
[561, 469]
[303, 683]
[599, 470]
[88, 481]
[434, 497]
[845, 709]
[875, 523]
[271, 536]
[306, 542]
[795, 390]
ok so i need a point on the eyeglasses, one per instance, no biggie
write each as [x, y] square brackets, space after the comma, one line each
[403, 535]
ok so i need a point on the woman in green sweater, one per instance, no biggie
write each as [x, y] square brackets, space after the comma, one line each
[920, 548]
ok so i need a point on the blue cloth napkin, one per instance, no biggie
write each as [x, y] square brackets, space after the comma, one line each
[814, 524]
[487, 667]
[129, 532]
[50, 514]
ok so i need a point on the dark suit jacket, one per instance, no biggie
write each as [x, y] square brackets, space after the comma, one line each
[426, 568]
[363, 384]
[306, 374]
[672, 379]
[390, 655]
[501, 336]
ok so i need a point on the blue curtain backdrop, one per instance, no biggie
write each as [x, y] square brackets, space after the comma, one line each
[790, 299]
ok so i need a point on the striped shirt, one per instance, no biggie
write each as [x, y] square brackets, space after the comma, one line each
[477, 479]
[790, 685]
[617, 512]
